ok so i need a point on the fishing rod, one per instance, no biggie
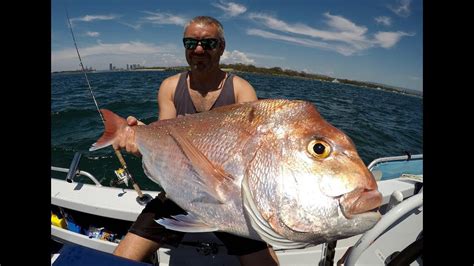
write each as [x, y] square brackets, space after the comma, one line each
[122, 173]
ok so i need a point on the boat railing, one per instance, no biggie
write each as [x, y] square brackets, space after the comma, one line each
[74, 171]
[390, 218]
[394, 158]
[78, 173]
[396, 166]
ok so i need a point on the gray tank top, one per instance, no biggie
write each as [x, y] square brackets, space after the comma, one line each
[184, 104]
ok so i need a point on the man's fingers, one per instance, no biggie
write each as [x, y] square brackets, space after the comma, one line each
[132, 121]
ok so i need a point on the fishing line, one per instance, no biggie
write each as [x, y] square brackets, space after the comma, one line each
[83, 70]
[142, 199]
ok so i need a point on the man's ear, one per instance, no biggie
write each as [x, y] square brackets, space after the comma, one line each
[222, 47]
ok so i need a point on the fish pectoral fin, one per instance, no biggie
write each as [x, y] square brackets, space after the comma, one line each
[205, 197]
[186, 223]
[215, 180]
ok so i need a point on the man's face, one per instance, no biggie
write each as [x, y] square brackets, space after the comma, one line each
[201, 59]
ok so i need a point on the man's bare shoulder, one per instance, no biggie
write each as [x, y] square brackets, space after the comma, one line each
[170, 82]
[238, 81]
[168, 87]
[244, 92]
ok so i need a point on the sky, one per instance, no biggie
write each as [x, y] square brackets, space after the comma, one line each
[377, 41]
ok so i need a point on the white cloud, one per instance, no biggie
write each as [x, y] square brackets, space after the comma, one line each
[296, 40]
[341, 29]
[104, 48]
[386, 21]
[342, 35]
[89, 18]
[342, 49]
[341, 24]
[135, 27]
[165, 18]
[92, 33]
[403, 8]
[231, 9]
[263, 56]
[235, 56]
[389, 39]
[101, 54]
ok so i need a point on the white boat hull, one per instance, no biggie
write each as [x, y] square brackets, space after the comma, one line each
[118, 203]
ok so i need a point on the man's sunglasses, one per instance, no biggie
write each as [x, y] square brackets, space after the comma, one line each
[206, 44]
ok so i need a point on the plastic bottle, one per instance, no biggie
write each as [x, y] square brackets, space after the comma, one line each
[59, 222]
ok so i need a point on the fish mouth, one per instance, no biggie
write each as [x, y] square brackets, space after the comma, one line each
[360, 202]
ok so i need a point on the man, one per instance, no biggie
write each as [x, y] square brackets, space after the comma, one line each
[202, 88]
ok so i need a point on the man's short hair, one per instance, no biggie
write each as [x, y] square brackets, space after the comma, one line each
[206, 20]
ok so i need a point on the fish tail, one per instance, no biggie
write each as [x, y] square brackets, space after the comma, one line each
[113, 124]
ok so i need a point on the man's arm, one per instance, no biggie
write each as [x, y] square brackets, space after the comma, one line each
[166, 106]
[243, 91]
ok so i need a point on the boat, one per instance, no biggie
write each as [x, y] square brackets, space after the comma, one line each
[93, 216]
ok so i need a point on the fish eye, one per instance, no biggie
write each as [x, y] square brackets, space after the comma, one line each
[319, 149]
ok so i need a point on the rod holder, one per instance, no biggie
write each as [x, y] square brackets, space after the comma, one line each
[73, 167]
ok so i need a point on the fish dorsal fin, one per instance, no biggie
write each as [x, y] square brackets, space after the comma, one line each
[215, 180]
[186, 223]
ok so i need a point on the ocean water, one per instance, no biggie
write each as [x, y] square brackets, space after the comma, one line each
[380, 123]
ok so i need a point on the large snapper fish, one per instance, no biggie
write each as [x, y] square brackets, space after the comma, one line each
[272, 170]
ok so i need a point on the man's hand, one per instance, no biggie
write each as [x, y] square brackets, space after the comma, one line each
[127, 139]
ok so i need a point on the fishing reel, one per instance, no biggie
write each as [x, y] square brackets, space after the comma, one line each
[122, 178]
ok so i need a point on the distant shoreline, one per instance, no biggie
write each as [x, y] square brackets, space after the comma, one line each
[105, 71]
[275, 71]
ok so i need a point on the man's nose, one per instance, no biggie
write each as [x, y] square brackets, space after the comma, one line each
[199, 49]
